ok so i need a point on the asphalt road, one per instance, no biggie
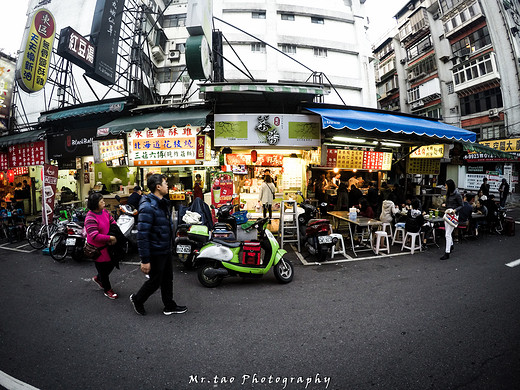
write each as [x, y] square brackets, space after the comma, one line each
[405, 322]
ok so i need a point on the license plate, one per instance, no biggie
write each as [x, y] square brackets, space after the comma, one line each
[324, 239]
[70, 242]
[183, 248]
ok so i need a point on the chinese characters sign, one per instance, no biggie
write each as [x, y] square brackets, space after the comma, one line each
[267, 129]
[50, 180]
[75, 48]
[104, 34]
[173, 146]
[33, 66]
[111, 149]
[359, 159]
[4, 162]
[428, 151]
[222, 189]
[263, 160]
[431, 166]
[505, 145]
[30, 153]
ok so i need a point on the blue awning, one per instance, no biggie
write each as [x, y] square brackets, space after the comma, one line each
[390, 122]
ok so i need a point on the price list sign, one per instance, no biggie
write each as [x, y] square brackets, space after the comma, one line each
[359, 159]
[111, 149]
[423, 166]
[27, 154]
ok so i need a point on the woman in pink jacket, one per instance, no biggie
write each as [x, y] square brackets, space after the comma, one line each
[97, 225]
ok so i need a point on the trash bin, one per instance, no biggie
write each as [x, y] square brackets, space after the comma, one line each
[509, 226]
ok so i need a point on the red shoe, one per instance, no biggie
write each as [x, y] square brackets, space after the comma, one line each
[110, 294]
[96, 280]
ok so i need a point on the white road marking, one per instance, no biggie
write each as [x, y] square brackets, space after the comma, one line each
[16, 249]
[346, 259]
[11, 383]
[513, 263]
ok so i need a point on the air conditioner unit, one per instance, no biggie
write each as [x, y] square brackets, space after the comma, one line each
[174, 55]
[493, 113]
[410, 77]
[436, 16]
[403, 61]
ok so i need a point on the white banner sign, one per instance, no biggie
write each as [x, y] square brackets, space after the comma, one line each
[267, 130]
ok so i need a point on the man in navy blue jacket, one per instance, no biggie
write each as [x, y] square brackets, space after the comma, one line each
[154, 244]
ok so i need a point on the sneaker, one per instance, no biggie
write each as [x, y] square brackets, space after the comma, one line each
[110, 294]
[96, 280]
[138, 307]
[175, 310]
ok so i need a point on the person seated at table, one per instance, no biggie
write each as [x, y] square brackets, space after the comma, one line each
[481, 209]
[492, 212]
[466, 211]
[365, 210]
[388, 211]
[354, 196]
[415, 222]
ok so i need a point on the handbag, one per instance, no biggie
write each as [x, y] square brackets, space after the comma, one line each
[451, 218]
[92, 252]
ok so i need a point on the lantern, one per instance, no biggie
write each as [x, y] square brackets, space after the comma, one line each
[10, 176]
[2, 176]
[254, 156]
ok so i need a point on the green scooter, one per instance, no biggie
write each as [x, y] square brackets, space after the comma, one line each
[221, 258]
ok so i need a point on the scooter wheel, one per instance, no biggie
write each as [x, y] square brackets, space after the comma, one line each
[284, 271]
[206, 281]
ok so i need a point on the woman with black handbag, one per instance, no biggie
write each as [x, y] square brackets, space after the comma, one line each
[453, 205]
[97, 225]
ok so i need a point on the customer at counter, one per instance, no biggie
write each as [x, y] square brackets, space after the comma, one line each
[133, 200]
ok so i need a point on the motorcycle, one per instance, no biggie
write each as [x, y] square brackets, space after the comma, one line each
[221, 258]
[315, 234]
[127, 225]
[69, 238]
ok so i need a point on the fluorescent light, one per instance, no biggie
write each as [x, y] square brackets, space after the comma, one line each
[391, 144]
[347, 139]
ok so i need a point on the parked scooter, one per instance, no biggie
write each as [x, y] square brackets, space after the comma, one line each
[69, 239]
[221, 258]
[127, 225]
[315, 234]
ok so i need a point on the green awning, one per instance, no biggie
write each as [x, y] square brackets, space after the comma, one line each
[82, 111]
[482, 152]
[180, 118]
[21, 138]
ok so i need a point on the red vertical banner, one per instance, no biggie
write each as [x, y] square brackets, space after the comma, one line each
[332, 156]
[4, 161]
[222, 189]
[50, 179]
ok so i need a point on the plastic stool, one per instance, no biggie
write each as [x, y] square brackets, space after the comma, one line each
[399, 234]
[380, 236]
[387, 227]
[340, 242]
[414, 243]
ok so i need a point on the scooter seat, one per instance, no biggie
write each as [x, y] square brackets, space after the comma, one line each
[230, 244]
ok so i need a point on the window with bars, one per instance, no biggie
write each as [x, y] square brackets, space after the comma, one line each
[258, 47]
[472, 70]
[289, 49]
[471, 43]
[174, 20]
[320, 52]
[481, 101]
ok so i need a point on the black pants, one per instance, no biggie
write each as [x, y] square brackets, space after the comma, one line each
[268, 207]
[161, 275]
[104, 268]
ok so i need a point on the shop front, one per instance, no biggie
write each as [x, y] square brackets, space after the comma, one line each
[253, 145]
[21, 160]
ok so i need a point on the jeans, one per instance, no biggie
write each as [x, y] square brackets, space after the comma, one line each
[267, 207]
[161, 275]
[104, 268]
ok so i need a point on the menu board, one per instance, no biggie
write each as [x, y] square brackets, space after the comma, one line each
[423, 166]
[111, 149]
[173, 146]
[428, 151]
[264, 160]
[359, 159]
[29, 153]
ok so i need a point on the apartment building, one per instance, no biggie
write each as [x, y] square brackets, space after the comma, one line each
[456, 60]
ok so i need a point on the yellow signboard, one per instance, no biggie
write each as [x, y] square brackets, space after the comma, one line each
[33, 66]
[428, 151]
[505, 145]
[423, 166]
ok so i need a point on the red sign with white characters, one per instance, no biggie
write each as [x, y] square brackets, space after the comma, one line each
[50, 180]
[27, 154]
[4, 162]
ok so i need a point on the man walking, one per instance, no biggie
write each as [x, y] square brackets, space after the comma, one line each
[154, 245]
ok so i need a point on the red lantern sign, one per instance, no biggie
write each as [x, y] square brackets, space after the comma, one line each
[10, 176]
[254, 156]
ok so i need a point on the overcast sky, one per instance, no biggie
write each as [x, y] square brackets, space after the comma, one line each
[380, 13]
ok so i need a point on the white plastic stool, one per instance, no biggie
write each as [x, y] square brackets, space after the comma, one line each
[399, 234]
[381, 236]
[387, 227]
[415, 242]
[341, 243]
